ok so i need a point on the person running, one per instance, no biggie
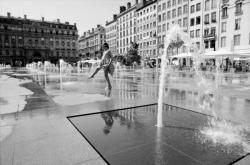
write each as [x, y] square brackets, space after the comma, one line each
[106, 65]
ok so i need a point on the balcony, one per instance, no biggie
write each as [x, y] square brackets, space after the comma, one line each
[206, 22]
[224, 16]
[209, 36]
[237, 13]
[213, 21]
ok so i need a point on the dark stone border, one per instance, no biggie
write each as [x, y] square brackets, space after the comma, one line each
[122, 109]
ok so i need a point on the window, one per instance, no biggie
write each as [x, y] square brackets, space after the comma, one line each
[159, 8]
[223, 27]
[174, 2]
[164, 27]
[192, 34]
[169, 4]
[192, 22]
[223, 42]
[173, 13]
[163, 6]
[164, 16]
[192, 9]
[212, 31]
[198, 6]
[206, 44]
[213, 17]
[224, 12]
[213, 5]
[159, 18]
[206, 19]
[236, 40]
[206, 32]
[198, 45]
[185, 9]
[159, 28]
[179, 22]
[179, 11]
[238, 8]
[206, 5]
[198, 20]
[237, 24]
[185, 22]
[197, 33]
[168, 15]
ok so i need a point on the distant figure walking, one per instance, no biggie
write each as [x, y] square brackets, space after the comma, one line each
[106, 65]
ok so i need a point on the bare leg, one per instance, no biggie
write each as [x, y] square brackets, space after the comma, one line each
[96, 71]
[107, 78]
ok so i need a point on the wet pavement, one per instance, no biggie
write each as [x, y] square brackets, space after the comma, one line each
[129, 136]
[35, 130]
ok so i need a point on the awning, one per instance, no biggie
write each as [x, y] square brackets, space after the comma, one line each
[222, 53]
[182, 55]
[92, 61]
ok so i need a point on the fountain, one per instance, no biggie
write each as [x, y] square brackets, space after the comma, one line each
[174, 32]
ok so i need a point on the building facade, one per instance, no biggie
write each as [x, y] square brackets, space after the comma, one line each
[90, 43]
[178, 13]
[24, 40]
[210, 24]
[161, 25]
[147, 28]
[196, 23]
[111, 37]
[126, 27]
[235, 26]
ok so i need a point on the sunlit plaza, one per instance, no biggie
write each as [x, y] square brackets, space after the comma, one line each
[55, 115]
[164, 82]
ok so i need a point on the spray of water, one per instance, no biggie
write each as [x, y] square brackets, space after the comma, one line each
[218, 130]
[173, 33]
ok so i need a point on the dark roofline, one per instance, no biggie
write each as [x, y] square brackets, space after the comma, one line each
[110, 22]
[33, 20]
[141, 6]
[126, 11]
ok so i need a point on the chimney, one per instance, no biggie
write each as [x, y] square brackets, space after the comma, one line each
[136, 2]
[114, 16]
[25, 16]
[43, 19]
[66, 23]
[93, 29]
[8, 14]
[122, 9]
[74, 24]
[128, 5]
[58, 20]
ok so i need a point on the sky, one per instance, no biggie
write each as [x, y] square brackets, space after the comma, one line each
[85, 13]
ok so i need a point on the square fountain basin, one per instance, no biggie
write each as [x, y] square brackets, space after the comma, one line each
[129, 136]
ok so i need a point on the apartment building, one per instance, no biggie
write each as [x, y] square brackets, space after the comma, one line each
[147, 28]
[235, 26]
[111, 37]
[90, 43]
[196, 22]
[210, 24]
[24, 40]
[178, 13]
[161, 25]
[126, 27]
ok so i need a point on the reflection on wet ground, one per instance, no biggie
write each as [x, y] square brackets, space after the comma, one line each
[50, 96]
[129, 136]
